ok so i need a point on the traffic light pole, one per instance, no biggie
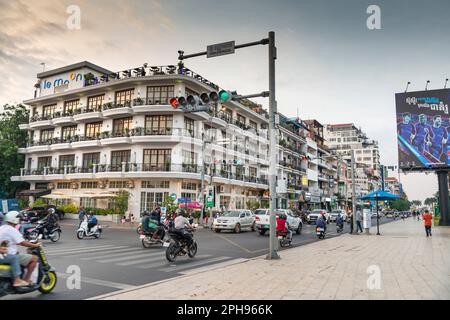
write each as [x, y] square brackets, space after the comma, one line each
[273, 149]
[355, 225]
[273, 245]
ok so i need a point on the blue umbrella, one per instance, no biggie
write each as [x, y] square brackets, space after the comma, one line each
[379, 195]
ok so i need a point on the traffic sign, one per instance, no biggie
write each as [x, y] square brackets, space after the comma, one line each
[184, 200]
[173, 196]
[220, 49]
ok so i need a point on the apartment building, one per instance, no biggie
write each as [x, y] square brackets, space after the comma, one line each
[93, 132]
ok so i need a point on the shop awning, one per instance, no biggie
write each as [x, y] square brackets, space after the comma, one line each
[34, 193]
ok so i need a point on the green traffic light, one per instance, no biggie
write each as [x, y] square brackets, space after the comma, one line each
[224, 95]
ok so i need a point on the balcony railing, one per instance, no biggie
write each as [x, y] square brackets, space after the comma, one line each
[143, 167]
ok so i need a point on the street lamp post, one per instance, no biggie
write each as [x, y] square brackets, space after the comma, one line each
[355, 226]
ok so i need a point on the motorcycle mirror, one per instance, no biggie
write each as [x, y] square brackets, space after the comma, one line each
[40, 236]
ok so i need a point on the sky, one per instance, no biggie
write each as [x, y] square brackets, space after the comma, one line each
[330, 66]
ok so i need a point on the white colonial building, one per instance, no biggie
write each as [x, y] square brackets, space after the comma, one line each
[93, 132]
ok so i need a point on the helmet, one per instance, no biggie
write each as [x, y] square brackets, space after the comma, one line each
[51, 210]
[181, 212]
[12, 217]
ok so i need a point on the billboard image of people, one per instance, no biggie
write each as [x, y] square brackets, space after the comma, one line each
[423, 128]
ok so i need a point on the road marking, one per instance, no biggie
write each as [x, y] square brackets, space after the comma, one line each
[214, 266]
[77, 249]
[133, 262]
[190, 265]
[82, 251]
[116, 253]
[167, 263]
[99, 282]
[130, 257]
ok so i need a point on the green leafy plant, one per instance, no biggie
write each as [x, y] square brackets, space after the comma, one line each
[121, 202]
[40, 202]
[69, 208]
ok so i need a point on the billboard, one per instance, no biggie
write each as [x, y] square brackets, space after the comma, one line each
[423, 128]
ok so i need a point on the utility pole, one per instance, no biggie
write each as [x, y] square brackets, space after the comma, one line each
[202, 178]
[273, 148]
[354, 193]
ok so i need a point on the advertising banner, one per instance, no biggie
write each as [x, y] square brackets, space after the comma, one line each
[422, 129]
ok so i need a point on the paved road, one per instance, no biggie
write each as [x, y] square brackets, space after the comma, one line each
[118, 260]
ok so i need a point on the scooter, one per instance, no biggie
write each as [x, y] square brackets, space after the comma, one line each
[320, 232]
[283, 239]
[44, 276]
[40, 229]
[147, 237]
[96, 231]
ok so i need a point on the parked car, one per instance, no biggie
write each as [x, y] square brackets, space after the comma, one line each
[334, 214]
[39, 212]
[263, 220]
[235, 220]
[313, 215]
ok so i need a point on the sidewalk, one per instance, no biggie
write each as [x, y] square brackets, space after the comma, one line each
[412, 266]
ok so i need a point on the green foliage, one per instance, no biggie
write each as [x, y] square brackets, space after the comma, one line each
[253, 204]
[417, 203]
[400, 205]
[264, 204]
[69, 208]
[121, 202]
[100, 211]
[40, 202]
[169, 204]
[11, 139]
[430, 201]
[23, 203]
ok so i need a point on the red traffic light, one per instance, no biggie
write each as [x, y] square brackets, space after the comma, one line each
[174, 103]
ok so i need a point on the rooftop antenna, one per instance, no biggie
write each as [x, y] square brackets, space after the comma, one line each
[426, 86]
[43, 66]
[407, 86]
[445, 85]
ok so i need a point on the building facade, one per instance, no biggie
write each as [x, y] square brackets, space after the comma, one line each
[93, 132]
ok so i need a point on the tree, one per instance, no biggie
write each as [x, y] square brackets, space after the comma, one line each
[121, 202]
[11, 139]
[417, 203]
[430, 201]
[400, 205]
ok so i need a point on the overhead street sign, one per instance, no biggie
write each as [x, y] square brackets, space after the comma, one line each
[220, 49]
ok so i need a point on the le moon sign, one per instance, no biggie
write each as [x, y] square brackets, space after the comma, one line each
[61, 82]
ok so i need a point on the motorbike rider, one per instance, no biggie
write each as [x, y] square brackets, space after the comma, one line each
[340, 221]
[283, 225]
[10, 235]
[321, 222]
[92, 221]
[182, 223]
[50, 220]
[156, 216]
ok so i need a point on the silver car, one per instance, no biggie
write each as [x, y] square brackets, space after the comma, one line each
[235, 220]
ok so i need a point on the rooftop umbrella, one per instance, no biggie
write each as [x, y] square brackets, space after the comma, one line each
[379, 195]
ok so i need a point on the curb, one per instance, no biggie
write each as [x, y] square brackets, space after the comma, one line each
[148, 285]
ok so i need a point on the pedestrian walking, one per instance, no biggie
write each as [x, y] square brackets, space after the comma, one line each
[427, 218]
[418, 216]
[358, 220]
[351, 222]
[81, 215]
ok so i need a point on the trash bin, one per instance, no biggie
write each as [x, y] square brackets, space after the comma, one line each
[367, 220]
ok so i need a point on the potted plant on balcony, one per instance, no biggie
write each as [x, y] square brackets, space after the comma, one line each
[105, 134]
[139, 101]
[282, 142]
[127, 132]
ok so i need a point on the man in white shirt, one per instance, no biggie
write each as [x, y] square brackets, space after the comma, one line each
[13, 237]
[181, 223]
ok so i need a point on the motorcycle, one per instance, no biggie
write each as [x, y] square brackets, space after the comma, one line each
[320, 232]
[96, 231]
[178, 246]
[147, 237]
[283, 239]
[339, 228]
[44, 276]
[40, 229]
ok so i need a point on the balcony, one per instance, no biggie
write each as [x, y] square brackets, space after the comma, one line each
[63, 119]
[117, 110]
[41, 122]
[88, 114]
[119, 137]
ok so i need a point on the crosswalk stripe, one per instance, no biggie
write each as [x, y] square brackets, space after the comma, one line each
[141, 255]
[115, 253]
[166, 264]
[77, 249]
[195, 264]
[84, 251]
[133, 262]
